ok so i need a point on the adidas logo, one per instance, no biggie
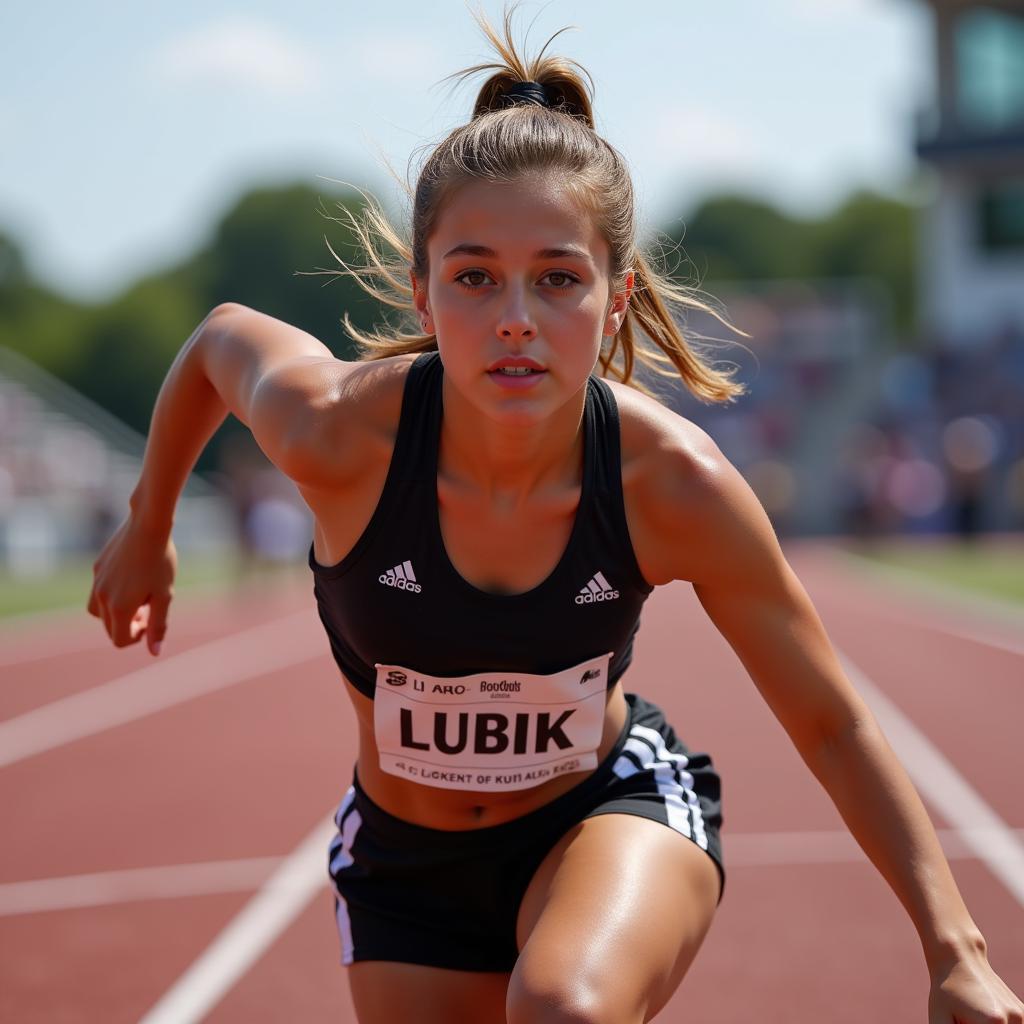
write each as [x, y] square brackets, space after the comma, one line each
[598, 589]
[401, 577]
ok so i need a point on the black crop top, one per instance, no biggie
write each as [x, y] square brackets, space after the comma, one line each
[395, 598]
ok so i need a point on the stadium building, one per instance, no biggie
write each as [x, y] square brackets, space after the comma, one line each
[971, 245]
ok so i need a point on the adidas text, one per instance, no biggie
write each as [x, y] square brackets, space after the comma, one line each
[604, 595]
[394, 581]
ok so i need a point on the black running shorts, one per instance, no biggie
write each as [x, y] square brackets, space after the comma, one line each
[450, 898]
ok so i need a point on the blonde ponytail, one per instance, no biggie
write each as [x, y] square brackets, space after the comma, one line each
[503, 142]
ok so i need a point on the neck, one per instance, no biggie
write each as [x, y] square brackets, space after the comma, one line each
[509, 463]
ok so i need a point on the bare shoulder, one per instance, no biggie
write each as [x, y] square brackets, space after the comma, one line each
[353, 414]
[691, 514]
[315, 416]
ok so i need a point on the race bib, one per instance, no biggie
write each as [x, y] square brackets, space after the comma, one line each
[492, 731]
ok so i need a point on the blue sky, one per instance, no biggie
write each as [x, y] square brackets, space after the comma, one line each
[126, 129]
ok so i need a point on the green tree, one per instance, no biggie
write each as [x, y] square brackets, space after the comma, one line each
[266, 252]
[125, 348]
[34, 321]
[735, 239]
[871, 236]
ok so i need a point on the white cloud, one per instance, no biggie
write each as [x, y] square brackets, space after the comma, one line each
[240, 52]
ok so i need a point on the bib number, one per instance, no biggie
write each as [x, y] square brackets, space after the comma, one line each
[492, 731]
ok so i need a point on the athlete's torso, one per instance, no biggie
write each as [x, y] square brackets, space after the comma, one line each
[479, 559]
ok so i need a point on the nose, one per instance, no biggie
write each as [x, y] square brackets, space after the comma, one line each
[515, 323]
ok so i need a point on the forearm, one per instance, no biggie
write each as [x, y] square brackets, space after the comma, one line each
[186, 415]
[883, 811]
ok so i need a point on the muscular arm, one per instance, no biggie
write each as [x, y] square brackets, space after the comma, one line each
[283, 384]
[270, 375]
[717, 536]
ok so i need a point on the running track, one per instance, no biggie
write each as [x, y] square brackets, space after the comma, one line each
[166, 819]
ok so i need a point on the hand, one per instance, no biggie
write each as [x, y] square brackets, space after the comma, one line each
[132, 585]
[965, 990]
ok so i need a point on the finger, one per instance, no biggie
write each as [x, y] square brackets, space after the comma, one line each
[93, 605]
[121, 621]
[104, 615]
[140, 620]
[157, 630]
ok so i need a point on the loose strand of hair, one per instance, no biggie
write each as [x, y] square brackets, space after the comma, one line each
[384, 277]
[648, 316]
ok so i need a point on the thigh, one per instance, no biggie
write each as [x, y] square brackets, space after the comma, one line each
[386, 992]
[611, 921]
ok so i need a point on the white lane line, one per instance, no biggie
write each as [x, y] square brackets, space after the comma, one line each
[175, 881]
[300, 876]
[155, 883]
[254, 652]
[982, 830]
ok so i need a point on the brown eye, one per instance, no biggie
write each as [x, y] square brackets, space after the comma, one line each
[565, 280]
[463, 279]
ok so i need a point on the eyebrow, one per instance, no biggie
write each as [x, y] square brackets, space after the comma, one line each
[571, 251]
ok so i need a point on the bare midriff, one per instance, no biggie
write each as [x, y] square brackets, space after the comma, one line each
[458, 810]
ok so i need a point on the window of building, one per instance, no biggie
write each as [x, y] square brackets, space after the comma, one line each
[1001, 216]
[990, 67]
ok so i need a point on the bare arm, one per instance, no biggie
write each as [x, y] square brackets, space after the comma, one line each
[270, 375]
[721, 540]
[282, 383]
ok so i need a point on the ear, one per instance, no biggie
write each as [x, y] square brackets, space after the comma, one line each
[618, 307]
[419, 299]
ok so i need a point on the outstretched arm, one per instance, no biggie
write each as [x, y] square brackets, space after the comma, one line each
[276, 379]
[236, 361]
[720, 539]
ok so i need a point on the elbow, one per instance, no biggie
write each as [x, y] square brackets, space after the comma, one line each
[212, 326]
[217, 328]
[841, 731]
[224, 309]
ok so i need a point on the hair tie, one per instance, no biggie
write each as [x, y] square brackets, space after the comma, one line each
[526, 92]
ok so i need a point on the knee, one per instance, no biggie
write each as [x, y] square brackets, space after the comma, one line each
[562, 1003]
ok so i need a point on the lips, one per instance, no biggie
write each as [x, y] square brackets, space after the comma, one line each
[515, 361]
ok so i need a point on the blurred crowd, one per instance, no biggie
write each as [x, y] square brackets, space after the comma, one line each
[943, 450]
[839, 435]
[57, 484]
[272, 524]
[66, 474]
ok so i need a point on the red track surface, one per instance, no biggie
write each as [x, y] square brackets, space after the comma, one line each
[250, 770]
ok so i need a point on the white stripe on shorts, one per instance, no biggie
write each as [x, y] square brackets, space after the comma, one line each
[675, 784]
[341, 857]
[345, 804]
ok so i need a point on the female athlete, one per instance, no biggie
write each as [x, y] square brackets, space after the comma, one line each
[490, 515]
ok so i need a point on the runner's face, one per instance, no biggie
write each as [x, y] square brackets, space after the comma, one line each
[494, 292]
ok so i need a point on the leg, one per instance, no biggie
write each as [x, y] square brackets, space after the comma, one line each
[610, 922]
[388, 908]
[387, 992]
